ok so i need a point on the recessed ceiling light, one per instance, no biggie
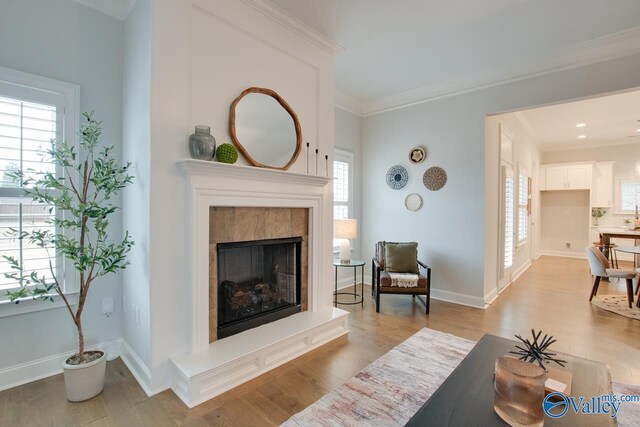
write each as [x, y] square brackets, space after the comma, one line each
[582, 136]
[581, 125]
[637, 130]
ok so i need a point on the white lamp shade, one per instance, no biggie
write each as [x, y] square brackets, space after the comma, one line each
[345, 228]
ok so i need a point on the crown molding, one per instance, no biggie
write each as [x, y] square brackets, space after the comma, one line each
[119, 9]
[292, 23]
[545, 148]
[348, 103]
[612, 46]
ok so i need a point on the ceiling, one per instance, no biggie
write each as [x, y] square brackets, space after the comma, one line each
[609, 120]
[395, 46]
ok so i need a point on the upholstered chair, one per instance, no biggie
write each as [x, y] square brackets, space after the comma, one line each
[599, 266]
[396, 270]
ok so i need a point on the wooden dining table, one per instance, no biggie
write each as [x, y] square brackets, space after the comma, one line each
[607, 233]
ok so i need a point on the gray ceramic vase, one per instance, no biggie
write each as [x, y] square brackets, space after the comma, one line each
[202, 145]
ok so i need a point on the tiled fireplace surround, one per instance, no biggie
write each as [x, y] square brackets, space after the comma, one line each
[212, 366]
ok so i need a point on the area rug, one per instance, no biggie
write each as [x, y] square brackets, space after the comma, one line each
[618, 304]
[390, 390]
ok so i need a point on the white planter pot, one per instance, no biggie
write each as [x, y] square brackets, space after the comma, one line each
[84, 381]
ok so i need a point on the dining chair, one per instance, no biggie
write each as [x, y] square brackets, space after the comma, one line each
[599, 266]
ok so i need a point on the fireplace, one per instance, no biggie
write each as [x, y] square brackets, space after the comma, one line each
[259, 281]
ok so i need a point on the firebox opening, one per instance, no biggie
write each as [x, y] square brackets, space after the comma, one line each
[259, 281]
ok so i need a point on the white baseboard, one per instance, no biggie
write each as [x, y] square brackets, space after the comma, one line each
[580, 255]
[442, 295]
[457, 298]
[138, 368]
[490, 297]
[38, 369]
[516, 274]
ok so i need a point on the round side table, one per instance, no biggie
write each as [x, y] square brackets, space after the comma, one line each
[354, 263]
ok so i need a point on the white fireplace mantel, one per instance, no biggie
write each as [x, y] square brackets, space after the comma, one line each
[209, 369]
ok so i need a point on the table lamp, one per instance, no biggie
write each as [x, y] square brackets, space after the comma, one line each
[345, 229]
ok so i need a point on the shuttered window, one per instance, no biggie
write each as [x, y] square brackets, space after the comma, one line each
[523, 212]
[25, 129]
[342, 188]
[508, 216]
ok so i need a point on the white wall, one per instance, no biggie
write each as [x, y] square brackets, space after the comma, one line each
[64, 40]
[349, 138]
[564, 219]
[458, 225]
[136, 135]
[203, 54]
[525, 153]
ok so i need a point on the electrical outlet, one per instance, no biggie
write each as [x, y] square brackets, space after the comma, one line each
[124, 303]
[567, 245]
[107, 305]
[137, 314]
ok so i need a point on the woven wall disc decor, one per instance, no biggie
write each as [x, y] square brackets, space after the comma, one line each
[397, 177]
[413, 202]
[434, 178]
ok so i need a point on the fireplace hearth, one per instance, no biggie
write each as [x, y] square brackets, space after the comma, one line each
[259, 281]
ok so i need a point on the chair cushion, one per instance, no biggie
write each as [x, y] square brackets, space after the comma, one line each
[621, 274]
[401, 257]
[385, 283]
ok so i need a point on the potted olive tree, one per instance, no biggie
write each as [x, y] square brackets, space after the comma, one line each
[82, 196]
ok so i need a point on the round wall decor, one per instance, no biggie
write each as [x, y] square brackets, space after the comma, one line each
[417, 155]
[397, 177]
[413, 202]
[434, 178]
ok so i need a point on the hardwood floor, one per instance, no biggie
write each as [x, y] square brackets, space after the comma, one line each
[552, 295]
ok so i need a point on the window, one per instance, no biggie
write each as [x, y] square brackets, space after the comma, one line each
[33, 110]
[628, 195]
[342, 188]
[508, 216]
[523, 205]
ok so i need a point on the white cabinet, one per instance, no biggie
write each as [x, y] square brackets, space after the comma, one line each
[576, 176]
[555, 177]
[602, 185]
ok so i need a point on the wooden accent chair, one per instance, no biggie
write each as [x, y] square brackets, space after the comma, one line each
[599, 266]
[382, 283]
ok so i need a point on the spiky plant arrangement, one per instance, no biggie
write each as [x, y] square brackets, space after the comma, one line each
[83, 201]
[536, 350]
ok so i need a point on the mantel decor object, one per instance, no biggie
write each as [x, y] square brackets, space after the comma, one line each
[265, 129]
[202, 145]
[227, 153]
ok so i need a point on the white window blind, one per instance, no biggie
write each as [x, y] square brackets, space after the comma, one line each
[342, 188]
[523, 214]
[508, 216]
[629, 195]
[25, 128]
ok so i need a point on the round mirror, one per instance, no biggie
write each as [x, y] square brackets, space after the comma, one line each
[265, 129]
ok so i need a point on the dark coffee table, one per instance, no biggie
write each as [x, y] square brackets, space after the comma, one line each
[465, 398]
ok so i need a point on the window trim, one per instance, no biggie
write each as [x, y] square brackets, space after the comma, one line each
[66, 97]
[618, 201]
[347, 157]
